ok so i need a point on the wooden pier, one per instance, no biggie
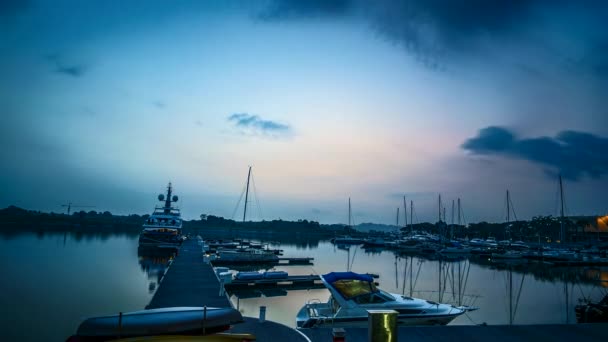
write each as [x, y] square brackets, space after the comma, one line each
[190, 281]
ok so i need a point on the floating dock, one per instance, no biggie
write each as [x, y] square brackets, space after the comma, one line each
[301, 282]
[279, 261]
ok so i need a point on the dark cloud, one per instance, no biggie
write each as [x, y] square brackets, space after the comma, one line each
[573, 154]
[61, 67]
[13, 6]
[254, 125]
[438, 31]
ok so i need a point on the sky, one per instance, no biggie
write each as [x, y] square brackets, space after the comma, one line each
[102, 103]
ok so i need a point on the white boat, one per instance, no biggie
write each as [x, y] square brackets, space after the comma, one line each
[246, 255]
[163, 229]
[352, 294]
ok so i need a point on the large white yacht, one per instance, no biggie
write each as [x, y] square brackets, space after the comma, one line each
[352, 294]
[163, 229]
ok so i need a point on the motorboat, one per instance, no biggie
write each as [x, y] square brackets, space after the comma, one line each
[353, 294]
[243, 255]
[163, 229]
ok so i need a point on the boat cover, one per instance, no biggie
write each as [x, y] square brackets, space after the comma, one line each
[333, 276]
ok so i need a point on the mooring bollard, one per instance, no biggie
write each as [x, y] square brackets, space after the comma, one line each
[338, 335]
[382, 325]
[262, 314]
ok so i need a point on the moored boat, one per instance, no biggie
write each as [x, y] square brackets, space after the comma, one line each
[163, 229]
[353, 294]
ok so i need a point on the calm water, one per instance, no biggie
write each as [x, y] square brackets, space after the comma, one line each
[52, 282]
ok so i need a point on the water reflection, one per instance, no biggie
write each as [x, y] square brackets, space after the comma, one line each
[506, 292]
[155, 262]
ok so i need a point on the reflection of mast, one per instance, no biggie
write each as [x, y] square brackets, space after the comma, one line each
[512, 309]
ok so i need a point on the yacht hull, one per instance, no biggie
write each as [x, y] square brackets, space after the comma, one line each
[304, 321]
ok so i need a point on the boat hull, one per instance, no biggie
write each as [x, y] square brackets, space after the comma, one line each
[178, 320]
[304, 321]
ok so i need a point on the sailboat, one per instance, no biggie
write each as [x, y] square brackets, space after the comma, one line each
[347, 240]
[249, 254]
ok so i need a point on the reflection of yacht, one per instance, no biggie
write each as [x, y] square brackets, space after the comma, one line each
[163, 229]
[352, 294]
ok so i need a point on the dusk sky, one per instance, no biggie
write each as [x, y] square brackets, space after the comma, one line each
[104, 102]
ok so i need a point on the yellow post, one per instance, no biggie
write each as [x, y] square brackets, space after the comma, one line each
[382, 325]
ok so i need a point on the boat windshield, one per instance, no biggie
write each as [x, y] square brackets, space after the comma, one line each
[350, 288]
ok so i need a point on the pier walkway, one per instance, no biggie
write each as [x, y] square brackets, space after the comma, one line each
[190, 281]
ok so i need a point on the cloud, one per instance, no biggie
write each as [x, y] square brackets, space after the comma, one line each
[66, 69]
[573, 154]
[199, 123]
[159, 104]
[441, 31]
[254, 125]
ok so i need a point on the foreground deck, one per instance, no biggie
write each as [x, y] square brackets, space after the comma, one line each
[478, 333]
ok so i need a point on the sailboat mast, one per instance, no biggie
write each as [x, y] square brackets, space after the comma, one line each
[349, 213]
[411, 216]
[508, 207]
[561, 222]
[247, 194]
[452, 227]
[397, 216]
[405, 211]
[459, 211]
[439, 208]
